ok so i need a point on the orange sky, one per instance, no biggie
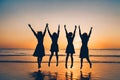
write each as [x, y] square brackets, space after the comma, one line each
[104, 18]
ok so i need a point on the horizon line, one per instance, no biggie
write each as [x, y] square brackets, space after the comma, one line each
[64, 49]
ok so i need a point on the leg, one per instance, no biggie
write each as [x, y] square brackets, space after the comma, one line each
[66, 60]
[50, 58]
[89, 62]
[57, 58]
[39, 60]
[81, 63]
[71, 60]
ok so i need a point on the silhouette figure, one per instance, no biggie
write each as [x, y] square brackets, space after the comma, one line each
[70, 48]
[84, 52]
[39, 51]
[85, 77]
[54, 46]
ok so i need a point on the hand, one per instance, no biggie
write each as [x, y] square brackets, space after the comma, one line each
[91, 27]
[79, 26]
[46, 24]
[64, 26]
[59, 26]
[29, 25]
[75, 26]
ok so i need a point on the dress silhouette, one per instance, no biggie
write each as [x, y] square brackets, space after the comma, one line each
[84, 52]
[54, 46]
[39, 51]
[70, 48]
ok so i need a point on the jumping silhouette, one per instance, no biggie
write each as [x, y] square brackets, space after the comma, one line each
[54, 46]
[84, 52]
[70, 48]
[39, 51]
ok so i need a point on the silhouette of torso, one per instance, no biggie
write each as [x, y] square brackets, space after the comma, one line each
[84, 49]
[70, 47]
[39, 51]
[54, 39]
[54, 46]
[85, 40]
[40, 40]
[70, 40]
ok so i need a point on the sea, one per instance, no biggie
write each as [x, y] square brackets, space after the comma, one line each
[15, 55]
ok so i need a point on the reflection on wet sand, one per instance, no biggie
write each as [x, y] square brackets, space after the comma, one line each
[41, 75]
[38, 75]
[68, 75]
[85, 76]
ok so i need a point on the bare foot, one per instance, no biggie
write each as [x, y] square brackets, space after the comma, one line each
[81, 67]
[71, 66]
[57, 64]
[66, 66]
[49, 64]
[90, 65]
[39, 66]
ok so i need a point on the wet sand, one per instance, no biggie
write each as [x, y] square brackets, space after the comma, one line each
[29, 71]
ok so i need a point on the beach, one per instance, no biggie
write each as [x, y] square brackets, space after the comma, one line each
[24, 67]
[29, 71]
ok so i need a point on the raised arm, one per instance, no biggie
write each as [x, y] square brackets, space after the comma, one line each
[80, 31]
[65, 29]
[90, 32]
[58, 30]
[45, 29]
[49, 32]
[74, 31]
[32, 30]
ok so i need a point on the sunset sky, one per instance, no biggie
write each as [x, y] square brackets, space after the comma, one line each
[102, 15]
